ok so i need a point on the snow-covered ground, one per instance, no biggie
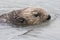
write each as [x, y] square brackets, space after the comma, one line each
[46, 31]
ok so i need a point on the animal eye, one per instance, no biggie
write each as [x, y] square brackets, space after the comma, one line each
[36, 15]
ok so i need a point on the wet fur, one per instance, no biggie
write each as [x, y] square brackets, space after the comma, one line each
[13, 16]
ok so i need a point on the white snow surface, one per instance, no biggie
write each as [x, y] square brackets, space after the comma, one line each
[46, 31]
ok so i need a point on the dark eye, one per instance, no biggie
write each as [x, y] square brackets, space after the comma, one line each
[36, 15]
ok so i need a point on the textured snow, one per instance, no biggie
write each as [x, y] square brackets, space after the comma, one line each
[46, 31]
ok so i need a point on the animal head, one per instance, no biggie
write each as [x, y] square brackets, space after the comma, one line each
[30, 16]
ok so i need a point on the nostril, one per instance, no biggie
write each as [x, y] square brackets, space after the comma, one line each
[49, 17]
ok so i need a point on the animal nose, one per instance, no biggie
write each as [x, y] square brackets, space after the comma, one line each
[21, 20]
[49, 17]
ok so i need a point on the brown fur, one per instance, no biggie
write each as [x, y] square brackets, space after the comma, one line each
[27, 14]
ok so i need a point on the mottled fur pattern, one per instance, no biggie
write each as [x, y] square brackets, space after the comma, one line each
[29, 14]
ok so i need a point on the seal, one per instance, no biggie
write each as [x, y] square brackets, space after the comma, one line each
[26, 16]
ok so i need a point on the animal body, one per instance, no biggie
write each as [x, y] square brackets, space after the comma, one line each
[26, 16]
